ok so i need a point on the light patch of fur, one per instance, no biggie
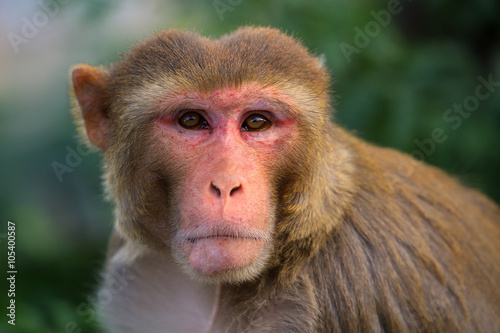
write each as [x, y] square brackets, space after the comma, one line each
[159, 297]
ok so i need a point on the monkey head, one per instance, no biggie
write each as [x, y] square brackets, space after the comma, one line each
[211, 148]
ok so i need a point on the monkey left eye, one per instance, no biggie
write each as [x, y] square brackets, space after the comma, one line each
[256, 122]
[194, 121]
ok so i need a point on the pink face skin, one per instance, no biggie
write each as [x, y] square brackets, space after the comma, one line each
[225, 211]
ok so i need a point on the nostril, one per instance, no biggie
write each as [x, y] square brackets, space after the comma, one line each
[215, 188]
[234, 190]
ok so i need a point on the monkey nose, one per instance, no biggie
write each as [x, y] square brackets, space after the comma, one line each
[225, 188]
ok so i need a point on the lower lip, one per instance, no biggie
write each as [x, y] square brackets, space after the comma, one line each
[218, 254]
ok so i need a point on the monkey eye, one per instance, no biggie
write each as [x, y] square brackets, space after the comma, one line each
[256, 122]
[194, 121]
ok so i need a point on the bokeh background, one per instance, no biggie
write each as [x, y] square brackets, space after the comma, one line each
[393, 87]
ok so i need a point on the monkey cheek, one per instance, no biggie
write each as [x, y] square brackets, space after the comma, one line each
[216, 255]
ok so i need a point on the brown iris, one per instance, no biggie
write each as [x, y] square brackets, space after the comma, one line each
[193, 121]
[256, 122]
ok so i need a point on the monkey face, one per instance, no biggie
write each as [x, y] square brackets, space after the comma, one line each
[225, 142]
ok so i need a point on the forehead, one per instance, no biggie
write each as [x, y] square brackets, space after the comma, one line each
[231, 99]
[260, 55]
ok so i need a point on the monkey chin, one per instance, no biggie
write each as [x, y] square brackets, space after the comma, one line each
[223, 259]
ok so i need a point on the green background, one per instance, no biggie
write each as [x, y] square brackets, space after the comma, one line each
[394, 92]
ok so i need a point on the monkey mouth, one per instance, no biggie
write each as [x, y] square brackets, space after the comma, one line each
[215, 249]
[193, 240]
[221, 232]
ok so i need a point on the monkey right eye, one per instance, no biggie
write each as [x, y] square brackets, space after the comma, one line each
[194, 121]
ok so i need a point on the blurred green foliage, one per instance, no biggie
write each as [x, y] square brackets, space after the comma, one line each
[393, 92]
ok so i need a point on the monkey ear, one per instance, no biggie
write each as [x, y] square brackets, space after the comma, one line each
[90, 108]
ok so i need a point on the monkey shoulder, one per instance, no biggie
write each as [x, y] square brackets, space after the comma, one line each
[410, 253]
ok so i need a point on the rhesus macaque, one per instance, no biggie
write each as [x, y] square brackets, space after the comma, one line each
[240, 206]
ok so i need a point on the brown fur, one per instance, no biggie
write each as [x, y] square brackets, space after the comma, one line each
[367, 239]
